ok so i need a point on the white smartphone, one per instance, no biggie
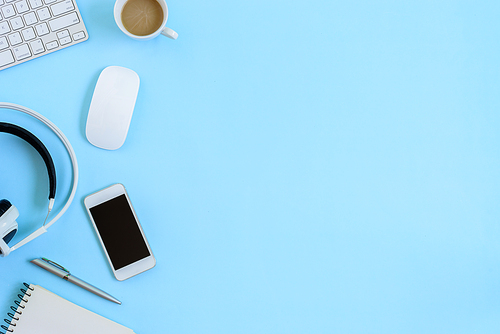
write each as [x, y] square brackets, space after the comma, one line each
[119, 231]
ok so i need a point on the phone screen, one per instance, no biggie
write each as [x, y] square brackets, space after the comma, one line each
[119, 232]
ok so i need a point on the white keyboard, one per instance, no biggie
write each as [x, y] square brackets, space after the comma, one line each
[33, 28]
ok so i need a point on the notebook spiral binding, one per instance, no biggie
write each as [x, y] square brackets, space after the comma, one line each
[17, 313]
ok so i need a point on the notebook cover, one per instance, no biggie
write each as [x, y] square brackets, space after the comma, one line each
[43, 312]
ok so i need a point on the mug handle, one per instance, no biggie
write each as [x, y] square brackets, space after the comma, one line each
[169, 33]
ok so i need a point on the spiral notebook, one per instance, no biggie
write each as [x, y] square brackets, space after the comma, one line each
[40, 311]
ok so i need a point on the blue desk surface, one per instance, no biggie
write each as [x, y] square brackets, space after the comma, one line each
[298, 167]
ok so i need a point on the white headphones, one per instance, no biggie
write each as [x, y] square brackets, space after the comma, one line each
[8, 212]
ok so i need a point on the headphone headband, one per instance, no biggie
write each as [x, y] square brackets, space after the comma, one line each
[39, 146]
[69, 148]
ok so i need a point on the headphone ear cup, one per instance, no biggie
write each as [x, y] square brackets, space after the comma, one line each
[8, 224]
[4, 249]
[4, 206]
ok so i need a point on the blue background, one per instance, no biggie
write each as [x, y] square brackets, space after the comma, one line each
[298, 167]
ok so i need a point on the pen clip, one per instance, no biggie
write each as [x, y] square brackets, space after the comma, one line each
[57, 265]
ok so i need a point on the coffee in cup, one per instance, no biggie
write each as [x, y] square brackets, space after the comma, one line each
[143, 19]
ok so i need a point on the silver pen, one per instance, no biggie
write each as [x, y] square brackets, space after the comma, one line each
[62, 272]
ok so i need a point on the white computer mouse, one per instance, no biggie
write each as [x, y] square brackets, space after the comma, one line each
[112, 106]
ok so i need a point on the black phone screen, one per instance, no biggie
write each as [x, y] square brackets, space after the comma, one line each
[119, 232]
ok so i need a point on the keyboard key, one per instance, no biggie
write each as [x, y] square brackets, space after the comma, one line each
[65, 40]
[15, 38]
[17, 23]
[28, 34]
[62, 34]
[42, 29]
[64, 21]
[3, 43]
[50, 1]
[37, 46]
[51, 45]
[4, 27]
[8, 11]
[6, 58]
[62, 7]
[43, 14]
[30, 18]
[22, 52]
[36, 3]
[22, 6]
[78, 35]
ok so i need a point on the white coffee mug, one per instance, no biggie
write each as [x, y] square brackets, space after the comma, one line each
[161, 30]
